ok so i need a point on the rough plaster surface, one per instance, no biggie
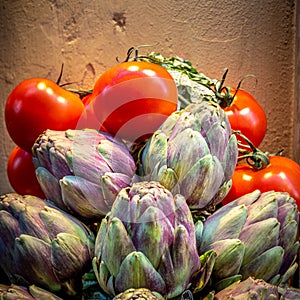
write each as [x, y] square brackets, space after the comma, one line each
[256, 37]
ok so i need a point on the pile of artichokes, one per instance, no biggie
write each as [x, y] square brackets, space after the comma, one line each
[116, 226]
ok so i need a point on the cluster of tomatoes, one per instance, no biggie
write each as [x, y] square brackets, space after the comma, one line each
[130, 100]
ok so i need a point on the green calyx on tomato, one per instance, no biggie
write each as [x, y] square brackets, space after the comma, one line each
[38, 104]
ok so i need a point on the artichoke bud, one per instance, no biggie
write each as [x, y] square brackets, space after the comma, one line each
[146, 240]
[198, 145]
[81, 171]
[255, 235]
[44, 250]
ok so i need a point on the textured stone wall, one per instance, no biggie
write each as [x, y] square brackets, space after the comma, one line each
[256, 37]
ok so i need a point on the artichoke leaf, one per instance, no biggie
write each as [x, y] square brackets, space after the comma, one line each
[117, 245]
[49, 185]
[154, 155]
[35, 255]
[153, 234]
[57, 221]
[69, 256]
[117, 158]
[264, 208]
[230, 253]
[103, 276]
[217, 137]
[230, 157]
[83, 197]
[224, 224]
[268, 237]
[264, 266]
[111, 184]
[202, 181]
[168, 178]
[137, 271]
[202, 276]
[100, 237]
[184, 215]
[185, 150]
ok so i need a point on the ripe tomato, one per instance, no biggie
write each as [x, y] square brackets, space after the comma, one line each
[88, 118]
[21, 173]
[281, 175]
[38, 104]
[132, 99]
[246, 114]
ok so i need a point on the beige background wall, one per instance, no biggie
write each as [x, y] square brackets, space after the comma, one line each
[256, 37]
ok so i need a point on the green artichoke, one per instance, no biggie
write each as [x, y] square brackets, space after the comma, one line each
[193, 153]
[81, 171]
[43, 245]
[15, 292]
[138, 294]
[255, 235]
[146, 241]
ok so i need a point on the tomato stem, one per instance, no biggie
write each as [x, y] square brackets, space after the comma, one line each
[135, 50]
[60, 74]
[255, 157]
[223, 92]
[81, 93]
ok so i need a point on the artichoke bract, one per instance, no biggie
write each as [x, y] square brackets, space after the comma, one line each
[146, 241]
[43, 245]
[193, 153]
[81, 171]
[255, 235]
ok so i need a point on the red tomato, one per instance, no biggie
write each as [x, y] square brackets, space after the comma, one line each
[88, 118]
[38, 104]
[245, 114]
[132, 99]
[281, 175]
[21, 173]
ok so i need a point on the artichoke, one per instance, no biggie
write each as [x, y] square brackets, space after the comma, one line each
[193, 153]
[255, 235]
[146, 241]
[81, 171]
[138, 294]
[43, 245]
[15, 292]
[249, 289]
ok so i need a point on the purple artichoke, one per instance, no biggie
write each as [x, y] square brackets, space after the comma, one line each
[43, 245]
[81, 171]
[147, 240]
